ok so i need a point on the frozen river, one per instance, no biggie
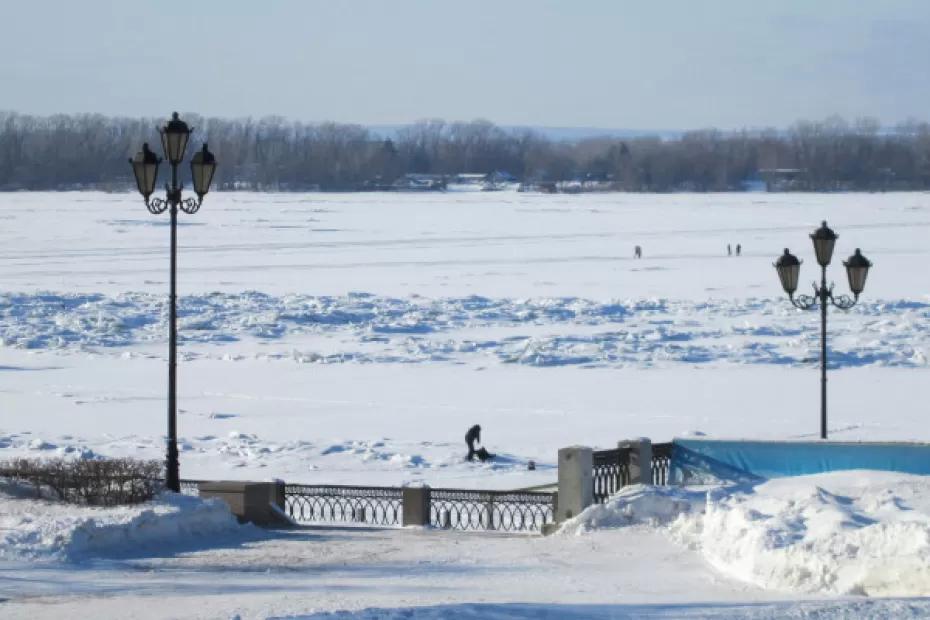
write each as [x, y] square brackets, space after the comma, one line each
[338, 338]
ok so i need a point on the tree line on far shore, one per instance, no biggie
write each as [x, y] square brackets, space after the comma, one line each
[88, 151]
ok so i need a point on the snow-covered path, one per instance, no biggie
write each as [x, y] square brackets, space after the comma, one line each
[635, 572]
[655, 552]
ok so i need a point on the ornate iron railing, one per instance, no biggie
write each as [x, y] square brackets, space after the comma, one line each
[505, 511]
[661, 462]
[343, 504]
[611, 471]
[462, 509]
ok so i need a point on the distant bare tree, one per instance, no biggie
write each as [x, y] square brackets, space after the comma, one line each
[90, 151]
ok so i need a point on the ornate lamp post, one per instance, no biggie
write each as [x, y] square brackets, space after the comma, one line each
[174, 137]
[789, 268]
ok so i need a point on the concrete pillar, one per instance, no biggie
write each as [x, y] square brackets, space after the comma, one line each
[416, 506]
[576, 484]
[278, 494]
[640, 459]
[255, 502]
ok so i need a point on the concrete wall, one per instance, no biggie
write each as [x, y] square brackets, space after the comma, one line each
[261, 503]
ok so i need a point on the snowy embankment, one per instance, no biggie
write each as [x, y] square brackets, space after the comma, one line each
[36, 530]
[842, 533]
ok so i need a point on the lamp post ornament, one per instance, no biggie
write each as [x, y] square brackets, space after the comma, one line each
[857, 269]
[174, 137]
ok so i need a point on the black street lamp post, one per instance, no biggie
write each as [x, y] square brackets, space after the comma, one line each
[789, 268]
[174, 138]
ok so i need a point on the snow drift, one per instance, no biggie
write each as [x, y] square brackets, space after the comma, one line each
[44, 530]
[852, 532]
[846, 533]
[636, 504]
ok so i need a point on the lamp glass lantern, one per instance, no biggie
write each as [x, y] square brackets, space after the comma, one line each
[145, 169]
[824, 240]
[789, 269]
[174, 137]
[203, 165]
[857, 269]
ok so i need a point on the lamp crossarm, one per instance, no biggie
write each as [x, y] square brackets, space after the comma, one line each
[160, 205]
[803, 302]
[843, 302]
[823, 295]
[156, 205]
[191, 205]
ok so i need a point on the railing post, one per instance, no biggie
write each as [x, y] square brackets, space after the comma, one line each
[416, 506]
[278, 495]
[640, 464]
[576, 483]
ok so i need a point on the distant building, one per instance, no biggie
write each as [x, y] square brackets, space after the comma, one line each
[784, 179]
[545, 187]
[420, 183]
[753, 184]
[470, 178]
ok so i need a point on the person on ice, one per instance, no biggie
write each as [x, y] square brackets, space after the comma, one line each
[472, 437]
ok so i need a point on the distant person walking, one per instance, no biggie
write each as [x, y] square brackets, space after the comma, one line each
[729, 250]
[739, 249]
[637, 252]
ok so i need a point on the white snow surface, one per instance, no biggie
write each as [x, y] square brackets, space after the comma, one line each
[353, 338]
[37, 529]
[842, 533]
[809, 610]
[637, 505]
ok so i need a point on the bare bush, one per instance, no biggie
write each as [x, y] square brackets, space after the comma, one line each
[100, 482]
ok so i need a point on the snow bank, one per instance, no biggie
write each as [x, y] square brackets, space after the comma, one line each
[38, 529]
[846, 533]
[636, 504]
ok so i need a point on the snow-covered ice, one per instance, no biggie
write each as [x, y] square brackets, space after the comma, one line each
[353, 338]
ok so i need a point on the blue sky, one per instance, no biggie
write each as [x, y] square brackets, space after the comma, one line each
[661, 64]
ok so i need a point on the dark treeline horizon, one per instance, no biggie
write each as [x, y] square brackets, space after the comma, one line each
[90, 151]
